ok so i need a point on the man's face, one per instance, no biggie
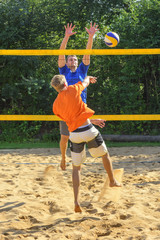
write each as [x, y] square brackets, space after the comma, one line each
[72, 62]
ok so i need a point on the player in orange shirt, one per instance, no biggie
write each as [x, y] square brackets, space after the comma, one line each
[70, 108]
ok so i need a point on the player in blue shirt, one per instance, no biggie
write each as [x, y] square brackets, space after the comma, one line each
[74, 74]
[78, 75]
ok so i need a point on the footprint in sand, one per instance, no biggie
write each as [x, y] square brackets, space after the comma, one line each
[56, 182]
[125, 216]
[89, 207]
[53, 207]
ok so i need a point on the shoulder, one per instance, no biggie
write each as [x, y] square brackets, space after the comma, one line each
[83, 67]
[63, 69]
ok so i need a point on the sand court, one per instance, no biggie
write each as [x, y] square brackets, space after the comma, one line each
[36, 197]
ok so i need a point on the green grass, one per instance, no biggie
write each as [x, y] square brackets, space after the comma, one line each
[133, 144]
[6, 145]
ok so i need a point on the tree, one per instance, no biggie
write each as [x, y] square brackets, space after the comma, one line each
[126, 84]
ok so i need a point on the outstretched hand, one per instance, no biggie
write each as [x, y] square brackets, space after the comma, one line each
[92, 79]
[98, 122]
[69, 30]
[93, 29]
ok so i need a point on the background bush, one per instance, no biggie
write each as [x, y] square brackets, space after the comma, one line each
[126, 84]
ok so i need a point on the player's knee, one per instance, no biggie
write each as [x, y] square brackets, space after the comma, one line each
[106, 156]
[76, 168]
[64, 139]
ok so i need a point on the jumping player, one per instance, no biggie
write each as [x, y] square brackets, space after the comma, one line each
[70, 108]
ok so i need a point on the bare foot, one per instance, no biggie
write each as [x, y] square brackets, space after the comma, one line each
[77, 209]
[115, 183]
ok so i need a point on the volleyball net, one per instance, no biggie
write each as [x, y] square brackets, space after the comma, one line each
[124, 117]
[48, 52]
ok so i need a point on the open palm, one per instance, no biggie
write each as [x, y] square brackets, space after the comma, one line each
[93, 29]
[69, 30]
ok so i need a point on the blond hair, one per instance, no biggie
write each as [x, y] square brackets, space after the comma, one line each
[58, 82]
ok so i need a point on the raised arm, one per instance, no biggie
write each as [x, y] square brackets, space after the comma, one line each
[88, 80]
[93, 29]
[68, 33]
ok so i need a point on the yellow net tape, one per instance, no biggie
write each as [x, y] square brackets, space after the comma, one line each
[144, 117]
[43, 52]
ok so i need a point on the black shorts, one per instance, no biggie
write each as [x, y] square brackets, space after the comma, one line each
[90, 135]
[63, 128]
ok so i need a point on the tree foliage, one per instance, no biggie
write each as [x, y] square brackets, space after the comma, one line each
[126, 84]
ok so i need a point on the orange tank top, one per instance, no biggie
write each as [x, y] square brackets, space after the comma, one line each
[70, 108]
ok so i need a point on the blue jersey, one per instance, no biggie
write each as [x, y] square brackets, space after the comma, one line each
[74, 77]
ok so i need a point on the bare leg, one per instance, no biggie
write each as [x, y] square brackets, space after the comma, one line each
[108, 167]
[63, 147]
[76, 185]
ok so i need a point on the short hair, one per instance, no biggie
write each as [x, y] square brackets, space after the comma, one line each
[58, 82]
[71, 56]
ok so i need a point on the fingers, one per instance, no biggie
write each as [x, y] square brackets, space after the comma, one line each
[69, 29]
[73, 27]
[69, 26]
[94, 26]
[72, 30]
[92, 79]
[63, 165]
[99, 122]
[102, 124]
[91, 31]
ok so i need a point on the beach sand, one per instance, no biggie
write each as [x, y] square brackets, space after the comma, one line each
[36, 197]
